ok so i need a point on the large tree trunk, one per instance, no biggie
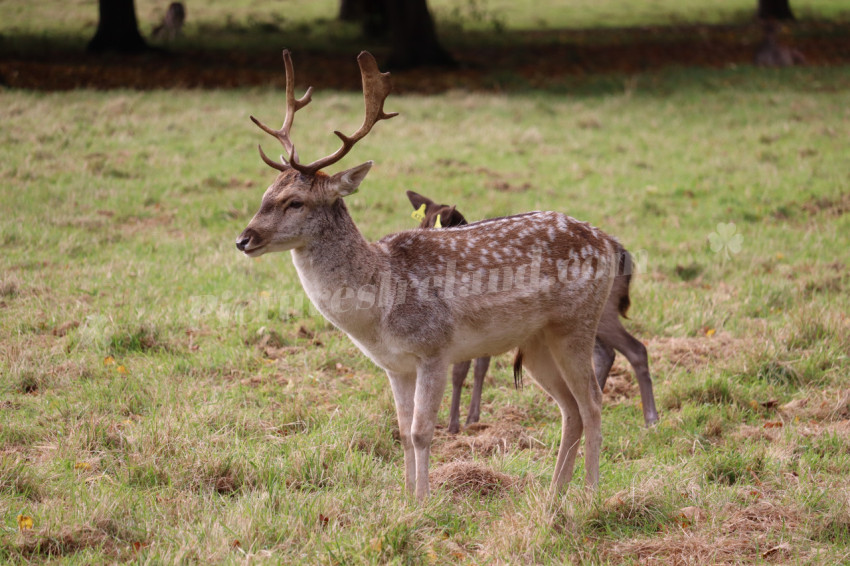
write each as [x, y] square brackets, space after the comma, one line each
[371, 14]
[775, 10]
[413, 37]
[117, 28]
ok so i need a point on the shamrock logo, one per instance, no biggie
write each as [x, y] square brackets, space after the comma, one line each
[726, 240]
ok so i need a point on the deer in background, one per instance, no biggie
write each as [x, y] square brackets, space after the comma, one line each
[610, 336]
[172, 23]
[771, 53]
[417, 301]
[447, 216]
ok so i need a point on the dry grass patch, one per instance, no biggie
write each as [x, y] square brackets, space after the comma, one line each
[640, 508]
[471, 478]
[760, 532]
[685, 548]
[480, 439]
[761, 518]
[827, 405]
[620, 386]
[696, 351]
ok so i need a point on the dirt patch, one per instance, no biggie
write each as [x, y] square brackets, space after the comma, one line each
[65, 327]
[471, 478]
[835, 206]
[506, 187]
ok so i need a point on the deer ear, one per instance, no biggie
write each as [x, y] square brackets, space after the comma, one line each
[418, 200]
[451, 217]
[347, 182]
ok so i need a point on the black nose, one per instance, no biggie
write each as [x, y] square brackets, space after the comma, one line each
[240, 244]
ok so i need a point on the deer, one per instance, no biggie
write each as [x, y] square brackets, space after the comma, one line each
[442, 215]
[771, 53]
[172, 22]
[610, 336]
[416, 301]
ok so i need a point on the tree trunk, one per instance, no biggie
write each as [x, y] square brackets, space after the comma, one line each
[371, 14]
[413, 37]
[117, 28]
[775, 10]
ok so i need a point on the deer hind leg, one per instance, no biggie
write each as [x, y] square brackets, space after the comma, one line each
[603, 359]
[459, 372]
[404, 388]
[614, 335]
[481, 367]
[539, 362]
[430, 384]
[573, 355]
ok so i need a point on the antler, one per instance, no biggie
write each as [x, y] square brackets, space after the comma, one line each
[292, 106]
[376, 88]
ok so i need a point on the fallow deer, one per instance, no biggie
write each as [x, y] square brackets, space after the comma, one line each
[445, 216]
[417, 301]
[610, 336]
[772, 53]
[172, 22]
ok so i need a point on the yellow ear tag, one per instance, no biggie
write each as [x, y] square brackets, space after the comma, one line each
[419, 214]
[437, 224]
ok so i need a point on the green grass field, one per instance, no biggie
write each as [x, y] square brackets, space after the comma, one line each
[164, 399]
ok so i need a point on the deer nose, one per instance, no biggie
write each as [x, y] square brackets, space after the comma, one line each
[242, 243]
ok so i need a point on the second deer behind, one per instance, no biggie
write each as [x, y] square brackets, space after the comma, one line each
[610, 336]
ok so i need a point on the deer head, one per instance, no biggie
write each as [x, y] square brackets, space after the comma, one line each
[303, 199]
[448, 215]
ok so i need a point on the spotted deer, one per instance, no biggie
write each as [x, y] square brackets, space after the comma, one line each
[610, 336]
[417, 301]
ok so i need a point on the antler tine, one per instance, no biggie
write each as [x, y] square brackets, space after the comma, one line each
[292, 106]
[376, 88]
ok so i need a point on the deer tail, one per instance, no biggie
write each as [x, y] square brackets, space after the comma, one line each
[518, 370]
[624, 269]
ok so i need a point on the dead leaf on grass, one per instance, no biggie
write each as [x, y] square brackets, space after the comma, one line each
[25, 522]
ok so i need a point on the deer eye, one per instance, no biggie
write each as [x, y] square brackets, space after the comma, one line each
[296, 204]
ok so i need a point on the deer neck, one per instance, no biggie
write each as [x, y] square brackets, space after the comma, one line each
[337, 264]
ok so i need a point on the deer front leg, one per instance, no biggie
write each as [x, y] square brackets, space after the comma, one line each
[481, 367]
[404, 388]
[430, 385]
[459, 372]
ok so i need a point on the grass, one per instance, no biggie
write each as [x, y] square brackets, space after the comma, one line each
[166, 400]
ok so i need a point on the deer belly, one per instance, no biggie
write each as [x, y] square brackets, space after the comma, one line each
[491, 339]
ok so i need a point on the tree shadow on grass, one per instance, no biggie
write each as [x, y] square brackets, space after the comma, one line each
[590, 61]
